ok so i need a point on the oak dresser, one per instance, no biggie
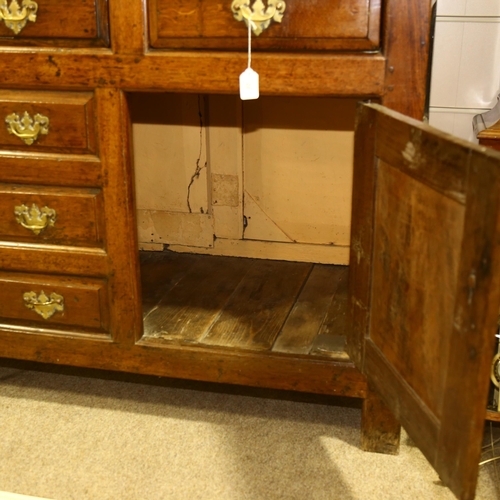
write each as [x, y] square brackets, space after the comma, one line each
[70, 270]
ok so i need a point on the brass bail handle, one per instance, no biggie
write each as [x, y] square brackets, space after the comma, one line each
[44, 305]
[16, 16]
[258, 14]
[27, 128]
[34, 218]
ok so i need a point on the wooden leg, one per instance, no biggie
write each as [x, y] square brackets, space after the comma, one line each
[380, 431]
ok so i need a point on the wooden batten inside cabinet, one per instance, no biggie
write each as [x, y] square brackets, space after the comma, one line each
[270, 178]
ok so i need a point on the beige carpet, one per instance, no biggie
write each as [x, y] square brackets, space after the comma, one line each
[68, 434]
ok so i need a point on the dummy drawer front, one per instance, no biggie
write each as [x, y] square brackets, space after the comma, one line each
[318, 25]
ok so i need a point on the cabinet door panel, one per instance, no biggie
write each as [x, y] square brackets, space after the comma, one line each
[425, 269]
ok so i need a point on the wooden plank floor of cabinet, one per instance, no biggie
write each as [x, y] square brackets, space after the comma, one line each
[244, 304]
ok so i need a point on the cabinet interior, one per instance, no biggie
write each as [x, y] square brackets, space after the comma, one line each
[243, 220]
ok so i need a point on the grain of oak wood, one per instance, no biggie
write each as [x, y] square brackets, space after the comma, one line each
[256, 311]
[424, 156]
[187, 310]
[310, 310]
[332, 336]
[57, 259]
[324, 376]
[409, 309]
[190, 71]
[188, 299]
[490, 137]
[160, 274]
[74, 171]
[476, 313]
[407, 50]
[382, 431]
[114, 145]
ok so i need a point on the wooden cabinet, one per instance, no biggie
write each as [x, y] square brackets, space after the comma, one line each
[71, 292]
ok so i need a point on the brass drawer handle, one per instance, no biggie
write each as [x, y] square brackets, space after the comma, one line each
[15, 17]
[45, 306]
[27, 128]
[258, 14]
[34, 218]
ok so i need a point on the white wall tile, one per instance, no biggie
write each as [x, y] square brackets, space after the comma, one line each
[481, 7]
[458, 123]
[479, 78]
[452, 7]
[441, 120]
[446, 63]
[468, 7]
[463, 126]
[466, 64]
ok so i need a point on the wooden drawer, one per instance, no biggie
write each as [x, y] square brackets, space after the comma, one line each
[56, 23]
[51, 215]
[318, 25]
[75, 170]
[53, 302]
[47, 121]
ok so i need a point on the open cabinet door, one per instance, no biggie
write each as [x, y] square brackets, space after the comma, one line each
[424, 283]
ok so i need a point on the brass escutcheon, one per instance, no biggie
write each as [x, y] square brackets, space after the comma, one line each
[258, 15]
[15, 17]
[27, 128]
[34, 218]
[45, 306]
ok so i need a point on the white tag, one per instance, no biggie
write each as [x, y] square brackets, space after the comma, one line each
[249, 85]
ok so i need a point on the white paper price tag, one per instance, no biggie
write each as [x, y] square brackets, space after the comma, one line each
[249, 85]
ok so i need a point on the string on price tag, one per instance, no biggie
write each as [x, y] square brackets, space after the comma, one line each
[249, 79]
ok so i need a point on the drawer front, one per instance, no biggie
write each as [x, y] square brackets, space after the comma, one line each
[318, 25]
[51, 215]
[56, 303]
[60, 122]
[35, 168]
[55, 23]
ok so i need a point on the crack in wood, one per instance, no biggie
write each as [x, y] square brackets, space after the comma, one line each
[199, 168]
